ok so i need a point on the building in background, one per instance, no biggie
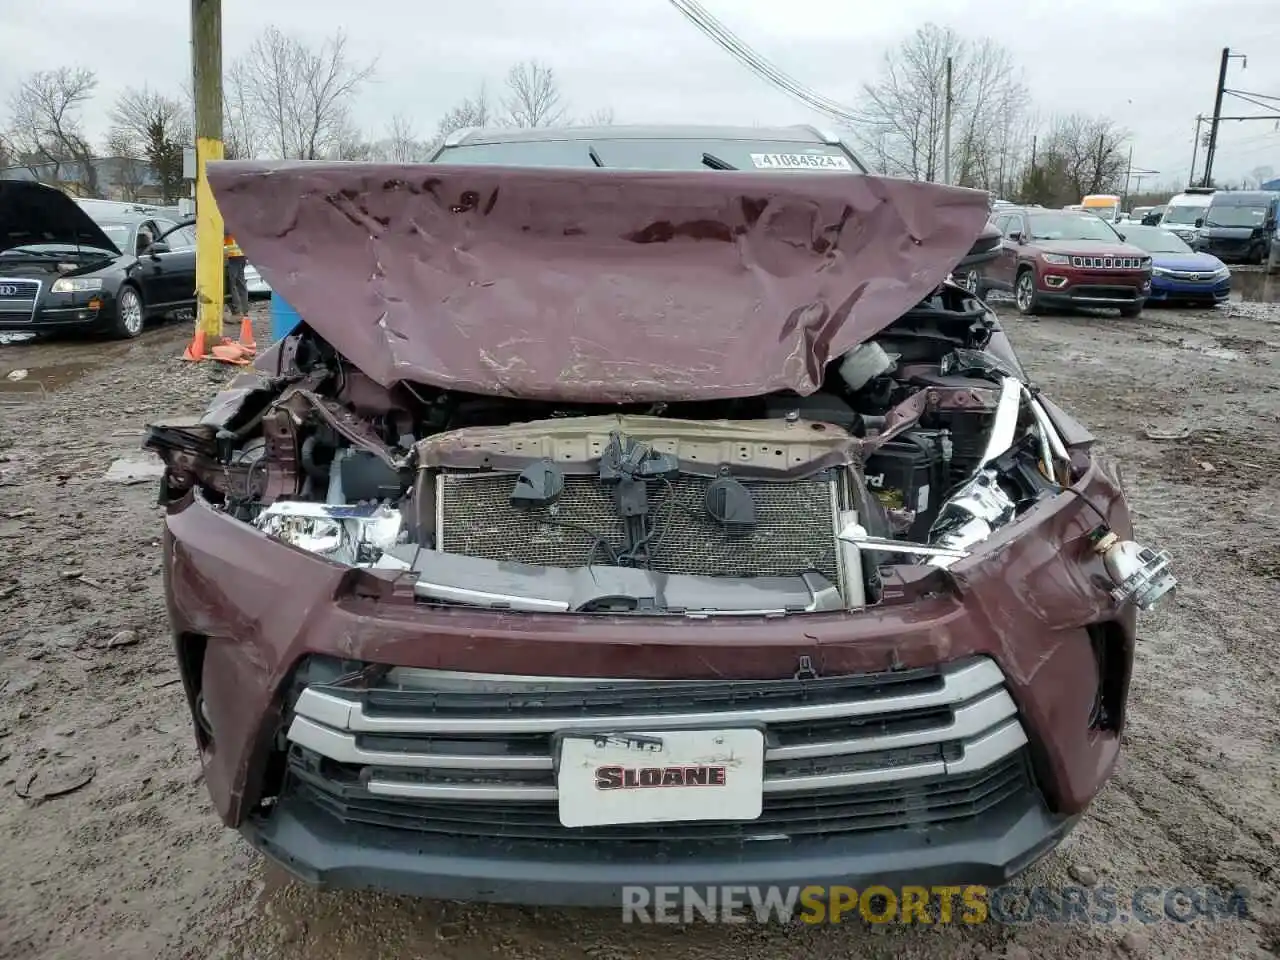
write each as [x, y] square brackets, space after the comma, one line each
[106, 178]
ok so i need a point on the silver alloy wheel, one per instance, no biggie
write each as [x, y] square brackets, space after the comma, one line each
[130, 308]
[1025, 291]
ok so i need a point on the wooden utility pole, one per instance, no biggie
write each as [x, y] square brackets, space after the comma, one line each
[206, 62]
[1195, 149]
[946, 130]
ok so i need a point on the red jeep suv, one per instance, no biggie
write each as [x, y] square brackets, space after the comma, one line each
[1061, 258]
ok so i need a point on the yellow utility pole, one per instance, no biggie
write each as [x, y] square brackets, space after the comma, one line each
[206, 61]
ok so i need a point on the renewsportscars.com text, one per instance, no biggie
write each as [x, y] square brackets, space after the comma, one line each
[930, 905]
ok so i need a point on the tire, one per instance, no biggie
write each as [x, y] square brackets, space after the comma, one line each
[1131, 311]
[973, 283]
[1025, 297]
[130, 313]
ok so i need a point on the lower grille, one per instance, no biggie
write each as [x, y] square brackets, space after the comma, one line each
[475, 754]
[795, 530]
[1092, 291]
[915, 804]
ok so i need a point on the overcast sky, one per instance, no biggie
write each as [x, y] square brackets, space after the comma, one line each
[1149, 64]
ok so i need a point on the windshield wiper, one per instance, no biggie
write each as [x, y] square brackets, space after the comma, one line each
[595, 157]
[715, 163]
[45, 254]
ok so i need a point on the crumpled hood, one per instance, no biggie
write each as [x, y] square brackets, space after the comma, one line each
[34, 213]
[596, 285]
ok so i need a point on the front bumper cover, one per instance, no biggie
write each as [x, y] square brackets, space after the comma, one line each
[323, 852]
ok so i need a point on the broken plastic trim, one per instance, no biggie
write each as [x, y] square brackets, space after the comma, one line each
[529, 588]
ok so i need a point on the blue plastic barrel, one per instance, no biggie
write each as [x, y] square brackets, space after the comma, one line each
[283, 317]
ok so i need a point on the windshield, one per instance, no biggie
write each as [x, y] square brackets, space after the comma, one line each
[655, 154]
[1224, 216]
[1107, 212]
[1183, 214]
[1069, 226]
[117, 233]
[1155, 240]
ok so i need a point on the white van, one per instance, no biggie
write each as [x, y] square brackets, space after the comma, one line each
[1185, 209]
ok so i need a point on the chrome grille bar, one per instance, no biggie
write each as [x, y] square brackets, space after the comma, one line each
[962, 721]
[982, 752]
[342, 713]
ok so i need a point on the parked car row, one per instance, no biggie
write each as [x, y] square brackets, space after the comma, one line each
[1236, 226]
[92, 265]
[1065, 258]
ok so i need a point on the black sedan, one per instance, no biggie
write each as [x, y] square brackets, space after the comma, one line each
[62, 270]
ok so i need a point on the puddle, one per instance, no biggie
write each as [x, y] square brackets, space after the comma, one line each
[1255, 286]
[41, 380]
[1219, 353]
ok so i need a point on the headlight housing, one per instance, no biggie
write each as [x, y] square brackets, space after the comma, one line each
[1057, 259]
[76, 285]
[1160, 272]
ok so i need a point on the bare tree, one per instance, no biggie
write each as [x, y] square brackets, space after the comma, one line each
[401, 143]
[137, 110]
[45, 126]
[300, 96]
[533, 96]
[1081, 155]
[129, 176]
[468, 112]
[349, 143]
[241, 127]
[148, 124]
[599, 118]
[904, 112]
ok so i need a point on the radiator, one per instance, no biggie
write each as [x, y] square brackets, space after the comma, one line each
[795, 530]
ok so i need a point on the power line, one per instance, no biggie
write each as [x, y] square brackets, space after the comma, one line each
[1246, 94]
[696, 14]
[1250, 98]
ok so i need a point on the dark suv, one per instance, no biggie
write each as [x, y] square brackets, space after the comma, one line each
[1061, 258]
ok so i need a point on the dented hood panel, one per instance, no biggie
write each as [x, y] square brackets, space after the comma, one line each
[600, 285]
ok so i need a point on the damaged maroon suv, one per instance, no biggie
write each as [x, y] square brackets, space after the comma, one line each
[641, 507]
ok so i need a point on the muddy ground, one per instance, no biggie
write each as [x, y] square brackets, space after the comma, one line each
[109, 847]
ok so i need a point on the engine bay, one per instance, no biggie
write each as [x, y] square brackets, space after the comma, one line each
[921, 443]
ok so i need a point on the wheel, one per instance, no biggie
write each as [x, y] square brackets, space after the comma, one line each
[1131, 311]
[973, 282]
[129, 313]
[1024, 292]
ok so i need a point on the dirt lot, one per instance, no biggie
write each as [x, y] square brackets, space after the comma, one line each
[109, 848]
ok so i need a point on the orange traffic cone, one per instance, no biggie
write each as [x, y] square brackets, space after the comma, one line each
[246, 334]
[228, 351]
[195, 349]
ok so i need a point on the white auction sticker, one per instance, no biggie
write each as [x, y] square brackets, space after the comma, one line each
[800, 161]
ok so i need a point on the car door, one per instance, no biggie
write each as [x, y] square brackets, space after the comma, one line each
[1006, 264]
[179, 263]
[171, 266]
[150, 268]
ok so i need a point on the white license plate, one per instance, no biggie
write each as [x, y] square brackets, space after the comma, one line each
[660, 777]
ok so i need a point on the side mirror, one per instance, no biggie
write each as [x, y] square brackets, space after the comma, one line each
[1016, 238]
[1199, 222]
[157, 247]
